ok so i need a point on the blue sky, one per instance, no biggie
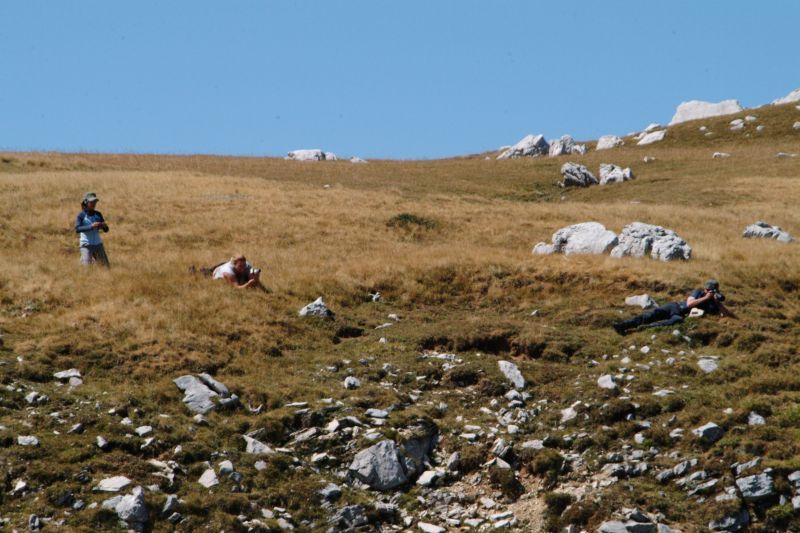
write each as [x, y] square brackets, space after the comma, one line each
[412, 79]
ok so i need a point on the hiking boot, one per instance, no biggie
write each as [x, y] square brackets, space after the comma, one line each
[619, 327]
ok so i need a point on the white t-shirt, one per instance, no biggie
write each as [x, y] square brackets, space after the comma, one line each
[227, 268]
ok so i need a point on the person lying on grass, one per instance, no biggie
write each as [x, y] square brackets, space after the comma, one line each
[238, 272]
[88, 224]
[706, 300]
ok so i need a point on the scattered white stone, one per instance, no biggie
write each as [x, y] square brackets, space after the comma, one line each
[639, 239]
[351, 382]
[609, 141]
[306, 155]
[708, 364]
[645, 349]
[430, 528]
[357, 160]
[737, 124]
[316, 308]
[209, 478]
[614, 174]
[576, 175]
[529, 146]
[197, 396]
[144, 430]
[583, 238]
[796, 126]
[697, 109]
[763, 230]
[131, 509]
[113, 484]
[709, 433]
[27, 440]
[257, 447]
[720, 155]
[65, 375]
[512, 374]
[606, 381]
[652, 137]
[755, 419]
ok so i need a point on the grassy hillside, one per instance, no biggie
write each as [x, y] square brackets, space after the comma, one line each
[463, 281]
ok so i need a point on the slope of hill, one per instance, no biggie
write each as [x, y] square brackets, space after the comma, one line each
[448, 245]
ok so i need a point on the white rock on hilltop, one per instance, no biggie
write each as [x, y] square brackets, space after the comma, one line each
[583, 238]
[529, 146]
[652, 137]
[314, 154]
[697, 109]
[609, 141]
[566, 145]
[357, 160]
[614, 174]
[793, 96]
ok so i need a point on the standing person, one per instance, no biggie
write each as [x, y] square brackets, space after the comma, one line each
[708, 299]
[88, 224]
[238, 272]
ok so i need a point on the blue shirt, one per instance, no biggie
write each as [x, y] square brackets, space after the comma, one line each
[83, 225]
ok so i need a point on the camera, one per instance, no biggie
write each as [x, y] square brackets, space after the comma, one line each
[256, 271]
[718, 296]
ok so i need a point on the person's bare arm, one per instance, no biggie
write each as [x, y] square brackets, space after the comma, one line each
[232, 280]
[692, 302]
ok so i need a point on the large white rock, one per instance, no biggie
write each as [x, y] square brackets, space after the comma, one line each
[576, 175]
[512, 374]
[256, 447]
[209, 478]
[314, 154]
[609, 141]
[606, 381]
[639, 239]
[330, 156]
[793, 96]
[652, 137]
[641, 300]
[529, 146]
[584, 238]
[696, 109]
[196, 395]
[566, 145]
[614, 174]
[762, 230]
[380, 466]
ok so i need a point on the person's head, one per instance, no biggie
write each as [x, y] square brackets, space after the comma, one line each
[712, 285]
[239, 263]
[89, 201]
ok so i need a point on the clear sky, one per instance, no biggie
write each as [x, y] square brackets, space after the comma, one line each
[411, 79]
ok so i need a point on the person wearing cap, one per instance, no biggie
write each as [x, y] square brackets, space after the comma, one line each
[88, 224]
[700, 301]
[238, 272]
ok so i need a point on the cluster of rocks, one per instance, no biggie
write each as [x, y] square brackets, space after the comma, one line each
[636, 240]
[203, 393]
[575, 175]
[316, 154]
[536, 145]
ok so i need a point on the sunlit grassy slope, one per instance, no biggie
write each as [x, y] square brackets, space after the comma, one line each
[466, 282]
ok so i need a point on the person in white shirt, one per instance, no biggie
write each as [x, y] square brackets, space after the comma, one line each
[238, 272]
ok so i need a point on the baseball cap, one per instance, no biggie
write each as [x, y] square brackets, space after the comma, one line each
[712, 284]
[90, 197]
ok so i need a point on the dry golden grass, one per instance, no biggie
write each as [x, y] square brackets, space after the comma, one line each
[135, 327]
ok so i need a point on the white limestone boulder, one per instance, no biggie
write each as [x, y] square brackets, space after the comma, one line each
[583, 238]
[565, 146]
[614, 174]
[762, 230]
[529, 146]
[697, 109]
[314, 154]
[639, 239]
[607, 142]
[652, 137]
[576, 175]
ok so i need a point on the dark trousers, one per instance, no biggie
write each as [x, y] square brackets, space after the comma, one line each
[665, 315]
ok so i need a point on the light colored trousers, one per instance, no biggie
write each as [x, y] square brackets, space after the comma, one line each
[94, 253]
